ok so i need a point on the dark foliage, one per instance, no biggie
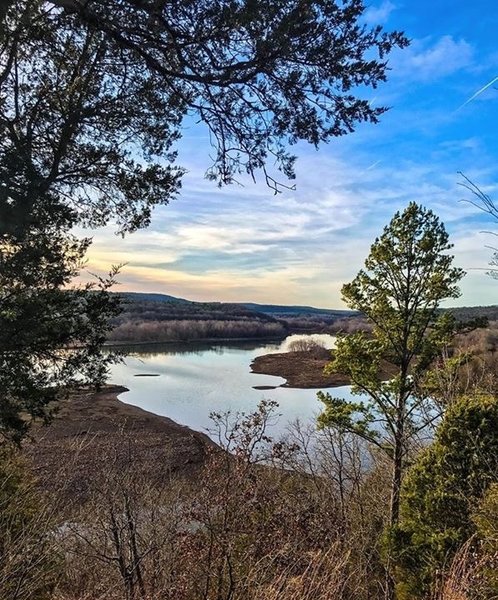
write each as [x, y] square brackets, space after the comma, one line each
[261, 75]
[442, 490]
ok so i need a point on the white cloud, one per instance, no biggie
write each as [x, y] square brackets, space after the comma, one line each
[377, 15]
[426, 61]
[298, 247]
[244, 243]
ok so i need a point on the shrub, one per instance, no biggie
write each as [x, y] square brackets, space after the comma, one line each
[441, 491]
[486, 521]
[29, 563]
[309, 345]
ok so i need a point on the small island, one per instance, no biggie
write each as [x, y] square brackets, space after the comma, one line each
[301, 369]
[305, 369]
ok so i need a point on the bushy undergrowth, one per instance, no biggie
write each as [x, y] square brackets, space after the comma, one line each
[296, 519]
[30, 560]
[442, 491]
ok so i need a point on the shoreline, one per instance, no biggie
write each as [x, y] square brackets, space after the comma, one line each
[302, 370]
[117, 344]
[93, 430]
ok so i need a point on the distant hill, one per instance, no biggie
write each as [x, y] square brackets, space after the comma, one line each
[466, 313]
[160, 317]
[150, 297]
[278, 310]
[282, 310]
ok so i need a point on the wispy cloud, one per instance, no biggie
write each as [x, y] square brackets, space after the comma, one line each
[299, 247]
[426, 60]
[377, 15]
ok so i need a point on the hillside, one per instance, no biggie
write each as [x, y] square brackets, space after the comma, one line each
[466, 313]
[269, 309]
[300, 311]
[157, 317]
[162, 317]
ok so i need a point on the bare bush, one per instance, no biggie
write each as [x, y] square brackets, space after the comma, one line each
[350, 325]
[307, 345]
[325, 575]
[121, 544]
[295, 519]
[30, 561]
[481, 345]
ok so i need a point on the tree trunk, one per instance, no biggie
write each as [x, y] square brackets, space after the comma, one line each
[397, 473]
[396, 480]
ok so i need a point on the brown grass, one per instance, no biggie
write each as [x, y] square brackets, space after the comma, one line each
[89, 425]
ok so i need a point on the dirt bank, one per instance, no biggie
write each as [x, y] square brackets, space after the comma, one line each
[303, 370]
[94, 429]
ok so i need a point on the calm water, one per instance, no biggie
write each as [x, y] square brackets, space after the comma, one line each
[193, 380]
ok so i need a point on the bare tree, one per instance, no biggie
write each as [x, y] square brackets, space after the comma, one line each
[485, 203]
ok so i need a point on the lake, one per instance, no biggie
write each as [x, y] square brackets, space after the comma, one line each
[191, 380]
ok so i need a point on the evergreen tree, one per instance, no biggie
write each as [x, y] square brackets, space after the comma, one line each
[407, 274]
[442, 491]
[260, 75]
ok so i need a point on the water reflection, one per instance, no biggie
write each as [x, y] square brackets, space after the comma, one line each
[196, 379]
[191, 348]
[221, 347]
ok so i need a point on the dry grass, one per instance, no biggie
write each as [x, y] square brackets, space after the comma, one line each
[90, 425]
[326, 576]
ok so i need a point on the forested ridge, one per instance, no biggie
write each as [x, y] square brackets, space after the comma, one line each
[157, 317]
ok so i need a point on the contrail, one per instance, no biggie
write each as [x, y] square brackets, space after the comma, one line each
[483, 89]
[372, 166]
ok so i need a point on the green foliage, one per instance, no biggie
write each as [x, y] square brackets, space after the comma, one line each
[486, 517]
[50, 335]
[486, 522]
[442, 490]
[407, 274]
[261, 76]
[353, 417]
[80, 125]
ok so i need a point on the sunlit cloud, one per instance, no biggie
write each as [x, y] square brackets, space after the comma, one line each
[296, 248]
[243, 243]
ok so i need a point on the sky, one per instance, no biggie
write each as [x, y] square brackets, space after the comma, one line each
[243, 243]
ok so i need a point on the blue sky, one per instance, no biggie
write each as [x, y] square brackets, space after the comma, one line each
[242, 243]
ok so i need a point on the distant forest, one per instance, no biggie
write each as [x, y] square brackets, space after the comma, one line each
[157, 317]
